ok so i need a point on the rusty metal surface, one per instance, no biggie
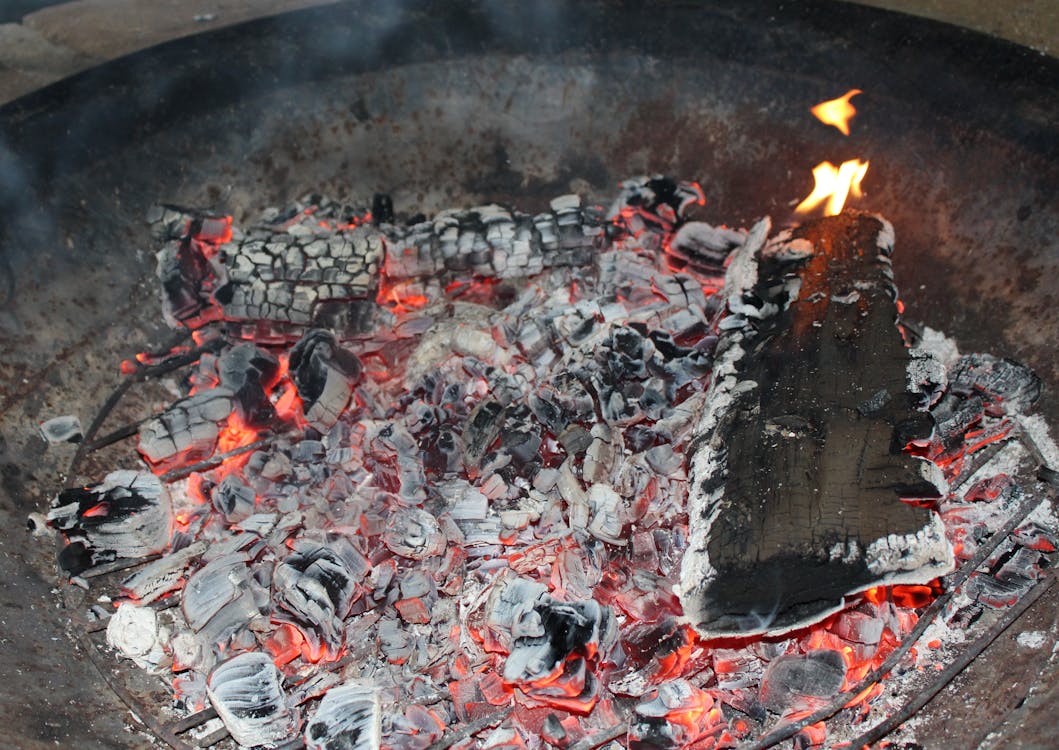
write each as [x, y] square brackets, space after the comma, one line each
[444, 104]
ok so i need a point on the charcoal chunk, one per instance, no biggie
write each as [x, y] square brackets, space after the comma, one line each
[248, 372]
[128, 514]
[799, 682]
[550, 632]
[247, 692]
[324, 374]
[1005, 382]
[347, 718]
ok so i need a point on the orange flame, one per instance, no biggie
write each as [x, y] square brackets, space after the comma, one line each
[837, 112]
[834, 185]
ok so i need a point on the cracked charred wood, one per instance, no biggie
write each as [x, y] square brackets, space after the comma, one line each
[797, 464]
[324, 374]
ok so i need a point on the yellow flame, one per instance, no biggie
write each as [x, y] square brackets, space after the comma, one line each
[837, 112]
[834, 185]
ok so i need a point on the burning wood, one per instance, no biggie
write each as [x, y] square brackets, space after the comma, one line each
[474, 478]
[127, 515]
[797, 466]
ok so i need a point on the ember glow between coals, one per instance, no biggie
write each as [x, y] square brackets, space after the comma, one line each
[447, 555]
[430, 478]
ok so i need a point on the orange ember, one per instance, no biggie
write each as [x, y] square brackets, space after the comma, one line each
[834, 185]
[837, 112]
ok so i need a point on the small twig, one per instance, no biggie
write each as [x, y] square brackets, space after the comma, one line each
[213, 737]
[949, 674]
[982, 457]
[600, 738]
[141, 374]
[220, 458]
[114, 566]
[113, 437]
[471, 729]
[191, 721]
[788, 730]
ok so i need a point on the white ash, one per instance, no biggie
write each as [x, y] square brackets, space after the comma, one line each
[939, 346]
[65, 429]
[1037, 431]
[1031, 639]
[137, 633]
[1008, 460]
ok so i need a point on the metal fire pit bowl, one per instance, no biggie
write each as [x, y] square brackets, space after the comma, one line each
[451, 103]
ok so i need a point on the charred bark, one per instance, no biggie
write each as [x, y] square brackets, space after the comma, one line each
[798, 467]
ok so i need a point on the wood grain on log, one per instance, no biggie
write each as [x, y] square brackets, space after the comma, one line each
[797, 466]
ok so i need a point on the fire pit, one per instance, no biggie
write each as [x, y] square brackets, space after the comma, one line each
[539, 124]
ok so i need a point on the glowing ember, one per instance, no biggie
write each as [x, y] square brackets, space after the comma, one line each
[837, 112]
[833, 185]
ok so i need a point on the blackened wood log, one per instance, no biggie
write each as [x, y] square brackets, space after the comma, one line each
[797, 464]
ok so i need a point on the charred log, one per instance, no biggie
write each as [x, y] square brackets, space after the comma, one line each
[797, 466]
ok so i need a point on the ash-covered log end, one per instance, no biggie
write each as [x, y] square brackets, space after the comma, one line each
[797, 464]
[129, 514]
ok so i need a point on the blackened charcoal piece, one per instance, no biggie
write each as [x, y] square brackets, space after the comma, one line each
[624, 355]
[548, 413]
[324, 374]
[1004, 382]
[75, 558]
[522, 444]
[441, 451]
[703, 247]
[657, 196]
[247, 693]
[795, 495]
[568, 392]
[233, 499]
[184, 271]
[128, 514]
[482, 428]
[248, 372]
[65, 429]
[348, 718]
[381, 209]
[314, 588]
[575, 439]
[954, 415]
[801, 682]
